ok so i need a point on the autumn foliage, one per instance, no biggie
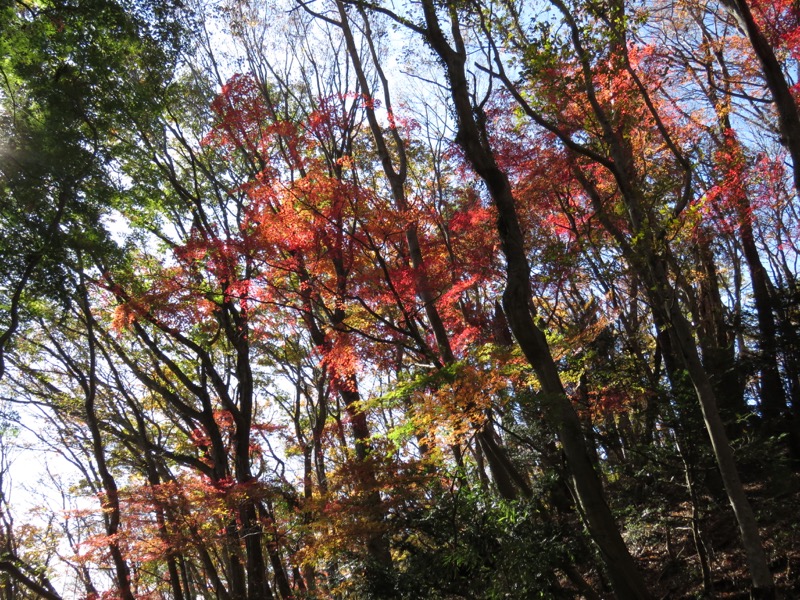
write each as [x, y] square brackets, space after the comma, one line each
[516, 322]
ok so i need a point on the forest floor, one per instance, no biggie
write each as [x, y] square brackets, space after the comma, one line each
[676, 572]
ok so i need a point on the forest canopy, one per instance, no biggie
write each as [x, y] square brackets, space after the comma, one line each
[361, 299]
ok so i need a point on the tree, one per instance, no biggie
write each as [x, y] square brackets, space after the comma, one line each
[62, 101]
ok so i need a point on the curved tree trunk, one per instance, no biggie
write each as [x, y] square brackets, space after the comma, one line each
[788, 114]
[623, 572]
[110, 500]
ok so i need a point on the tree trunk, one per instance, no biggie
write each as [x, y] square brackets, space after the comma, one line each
[626, 579]
[716, 343]
[773, 396]
[110, 501]
[663, 299]
[788, 116]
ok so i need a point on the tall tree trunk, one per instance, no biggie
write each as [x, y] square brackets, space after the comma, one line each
[111, 509]
[717, 342]
[236, 330]
[645, 249]
[664, 300]
[773, 395]
[471, 136]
